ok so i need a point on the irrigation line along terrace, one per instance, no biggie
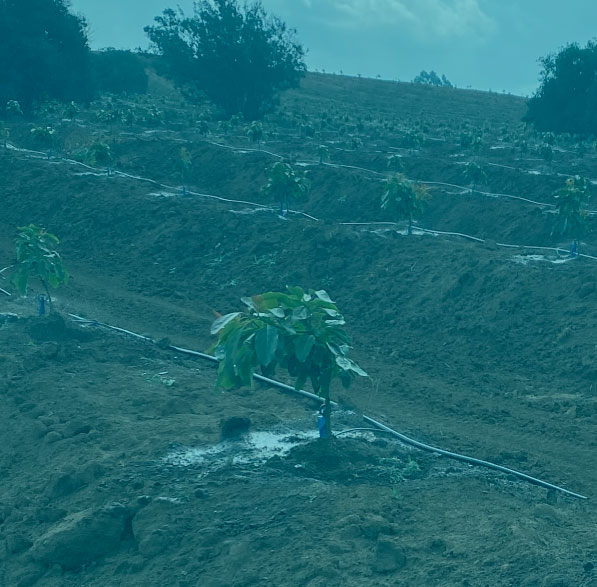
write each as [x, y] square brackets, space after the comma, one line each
[312, 396]
[304, 214]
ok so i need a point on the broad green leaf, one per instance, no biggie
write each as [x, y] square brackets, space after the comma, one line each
[300, 382]
[302, 346]
[266, 342]
[354, 367]
[344, 363]
[300, 313]
[323, 295]
[278, 312]
[222, 321]
[248, 302]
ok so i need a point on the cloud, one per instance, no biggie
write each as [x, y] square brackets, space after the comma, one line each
[424, 18]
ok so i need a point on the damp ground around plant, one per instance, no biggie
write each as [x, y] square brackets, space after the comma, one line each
[113, 464]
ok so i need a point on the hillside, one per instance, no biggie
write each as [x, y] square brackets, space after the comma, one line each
[113, 466]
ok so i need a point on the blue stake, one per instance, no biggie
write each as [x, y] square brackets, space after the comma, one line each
[321, 424]
[41, 305]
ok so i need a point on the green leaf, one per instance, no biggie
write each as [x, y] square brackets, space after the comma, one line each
[266, 342]
[344, 363]
[300, 313]
[249, 303]
[302, 346]
[323, 295]
[300, 382]
[278, 312]
[222, 321]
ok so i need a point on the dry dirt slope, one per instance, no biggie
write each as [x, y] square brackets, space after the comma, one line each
[466, 348]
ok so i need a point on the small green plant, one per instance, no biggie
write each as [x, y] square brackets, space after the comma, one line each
[546, 152]
[475, 174]
[183, 166]
[203, 127]
[299, 330]
[44, 136]
[13, 109]
[403, 199]
[394, 163]
[570, 204]
[466, 139]
[100, 154]
[522, 147]
[71, 110]
[38, 258]
[323, 153]
[355, 142]
[412, 140]
[255, 132]
[308, 130]
[286, 185]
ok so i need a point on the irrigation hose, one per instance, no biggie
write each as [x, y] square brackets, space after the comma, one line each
[256, 376]
[304, 214]
[378, 425]
[470, 460]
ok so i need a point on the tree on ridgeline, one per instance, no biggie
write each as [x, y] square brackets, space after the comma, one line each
[44, 54]
[239, 56]
[565, 101]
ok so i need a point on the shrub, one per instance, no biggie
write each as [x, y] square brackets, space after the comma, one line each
[565, 100]
[239, 56]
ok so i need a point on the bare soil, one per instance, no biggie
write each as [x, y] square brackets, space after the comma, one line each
[470, 347]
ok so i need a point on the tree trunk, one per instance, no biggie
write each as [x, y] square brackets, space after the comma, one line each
[47, 294]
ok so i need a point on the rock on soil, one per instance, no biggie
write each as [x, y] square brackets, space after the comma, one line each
[83, 537]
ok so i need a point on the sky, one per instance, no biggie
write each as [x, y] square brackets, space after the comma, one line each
[485, 44]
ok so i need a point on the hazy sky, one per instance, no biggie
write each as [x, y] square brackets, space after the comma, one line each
[486, 44]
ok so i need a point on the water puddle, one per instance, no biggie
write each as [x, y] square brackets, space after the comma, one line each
[254, 448]
[526, 259]
[163, 194]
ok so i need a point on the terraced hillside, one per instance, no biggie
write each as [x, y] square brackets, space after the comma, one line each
[114, 469]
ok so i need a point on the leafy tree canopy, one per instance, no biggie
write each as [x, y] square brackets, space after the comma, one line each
[43, 54]
[238, 56]
[567, 97]
[432, 79]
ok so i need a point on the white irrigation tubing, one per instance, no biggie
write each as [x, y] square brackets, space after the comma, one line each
[304, 214]
[3, 290]
[430, 183]
[312, 396]
[469, 237]
[470, 460]
[205, 356]
[169, 187]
